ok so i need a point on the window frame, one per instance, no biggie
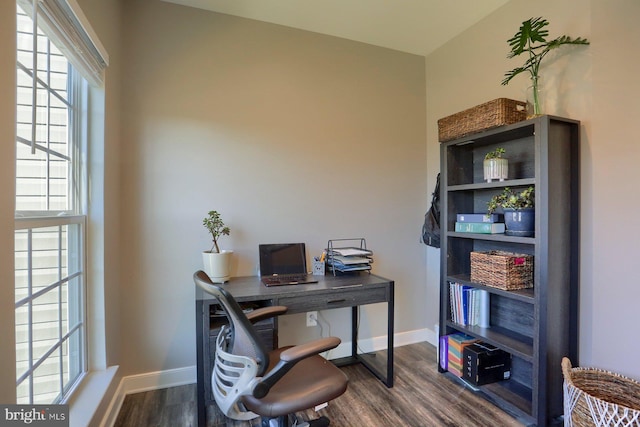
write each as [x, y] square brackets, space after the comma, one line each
[66, 388]
[75, 215]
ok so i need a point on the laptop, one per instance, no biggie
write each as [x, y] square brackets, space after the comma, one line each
[284, 264]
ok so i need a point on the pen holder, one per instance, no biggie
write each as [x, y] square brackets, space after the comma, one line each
[318, 268]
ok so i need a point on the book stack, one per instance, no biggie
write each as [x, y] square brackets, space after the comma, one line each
[480, 223]
[469, 306]
[349, 259]
[456, 344]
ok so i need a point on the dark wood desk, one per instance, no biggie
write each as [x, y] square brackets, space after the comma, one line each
[330, 292]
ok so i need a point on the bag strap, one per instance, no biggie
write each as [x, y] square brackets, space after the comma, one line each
[436, 192]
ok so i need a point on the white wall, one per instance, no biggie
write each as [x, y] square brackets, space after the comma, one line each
[104, 316]
[106, 19]
[291, 135]
[596, 85]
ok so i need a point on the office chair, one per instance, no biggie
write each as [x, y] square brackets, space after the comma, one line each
[248, 381]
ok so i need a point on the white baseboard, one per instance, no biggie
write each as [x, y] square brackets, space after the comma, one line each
[187, 375]
[145, 382]
[380, 343]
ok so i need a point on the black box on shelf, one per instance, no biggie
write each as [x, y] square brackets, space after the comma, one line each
[485, 363]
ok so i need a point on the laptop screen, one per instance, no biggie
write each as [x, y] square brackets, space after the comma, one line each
[282, 258]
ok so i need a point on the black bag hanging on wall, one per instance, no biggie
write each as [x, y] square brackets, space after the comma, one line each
[431, 226]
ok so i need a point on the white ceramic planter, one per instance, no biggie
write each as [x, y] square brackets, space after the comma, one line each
[496, 169]
[217, 265]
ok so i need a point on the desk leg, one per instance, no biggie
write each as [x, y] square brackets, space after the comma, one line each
[354, 331]
[200, 331]
[386, 378]
[390, 326]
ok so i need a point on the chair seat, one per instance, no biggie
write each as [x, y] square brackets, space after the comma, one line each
[310, 382]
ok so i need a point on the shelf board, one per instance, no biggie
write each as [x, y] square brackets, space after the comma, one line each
[492, 237]
[488, 185]
[522, 129]
[514, 343]
[511, 396]
[524, 295]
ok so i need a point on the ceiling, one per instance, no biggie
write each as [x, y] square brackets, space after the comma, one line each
[413, 26]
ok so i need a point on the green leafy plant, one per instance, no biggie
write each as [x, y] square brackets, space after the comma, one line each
[495, 154]
[213, 222]
[533, 31]
[510, 199]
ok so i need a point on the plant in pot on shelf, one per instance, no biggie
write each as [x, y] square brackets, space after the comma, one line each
[495, 166]
[533, 31]
[519, 210]
[217, 263]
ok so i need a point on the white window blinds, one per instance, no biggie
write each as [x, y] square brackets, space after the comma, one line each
[66, 26]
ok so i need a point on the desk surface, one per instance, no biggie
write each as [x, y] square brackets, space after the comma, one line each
[250, 288]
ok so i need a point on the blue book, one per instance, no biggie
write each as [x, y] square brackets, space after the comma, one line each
[479, 217]
[480, 227]
[466, 292]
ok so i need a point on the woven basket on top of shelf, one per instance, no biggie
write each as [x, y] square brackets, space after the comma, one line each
[594, 397]
[499, 112]
[504, 270]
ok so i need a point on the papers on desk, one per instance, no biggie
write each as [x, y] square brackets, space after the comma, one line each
[349, 259]
[349, 252]
[356, 267]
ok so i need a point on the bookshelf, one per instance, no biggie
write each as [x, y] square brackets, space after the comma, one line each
[537, 326]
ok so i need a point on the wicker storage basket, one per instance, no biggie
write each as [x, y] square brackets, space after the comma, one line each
[593, 397]
[504, 270]
[499, 112]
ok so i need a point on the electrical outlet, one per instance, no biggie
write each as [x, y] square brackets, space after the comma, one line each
[312, 318]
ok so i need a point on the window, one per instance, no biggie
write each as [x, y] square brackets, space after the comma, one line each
[51, 355]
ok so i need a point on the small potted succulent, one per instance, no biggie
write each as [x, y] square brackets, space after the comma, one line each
[519, 210]
[495, 166]
[217, 263]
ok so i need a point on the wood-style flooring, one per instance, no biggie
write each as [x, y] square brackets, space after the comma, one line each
[421, 397]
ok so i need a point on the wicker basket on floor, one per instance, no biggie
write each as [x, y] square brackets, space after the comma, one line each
[499, 112]
[504, 270]
[593, 397]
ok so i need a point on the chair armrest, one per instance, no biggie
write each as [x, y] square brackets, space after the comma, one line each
[302, 351]
[289, 358]
[266, 313]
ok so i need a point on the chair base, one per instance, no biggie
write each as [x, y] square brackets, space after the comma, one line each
[286, 421]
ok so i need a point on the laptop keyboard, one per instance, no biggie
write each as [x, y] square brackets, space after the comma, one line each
[290, 277]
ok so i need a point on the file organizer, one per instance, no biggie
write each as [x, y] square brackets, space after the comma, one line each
[348, 255]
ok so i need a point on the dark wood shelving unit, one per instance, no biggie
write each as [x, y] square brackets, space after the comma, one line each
[537, 326]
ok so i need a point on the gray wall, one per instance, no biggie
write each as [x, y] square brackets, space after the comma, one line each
[596, 85]
[291, 135]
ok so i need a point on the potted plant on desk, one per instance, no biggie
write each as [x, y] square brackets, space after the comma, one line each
[217, 263]
[519, 211]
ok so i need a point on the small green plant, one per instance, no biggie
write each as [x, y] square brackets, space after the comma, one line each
[510, 199]
[532, 31]
[495, 154]
[216, 227]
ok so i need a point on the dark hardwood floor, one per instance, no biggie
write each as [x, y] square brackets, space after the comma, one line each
[420, 397]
